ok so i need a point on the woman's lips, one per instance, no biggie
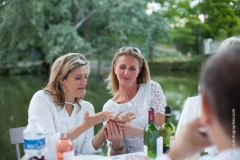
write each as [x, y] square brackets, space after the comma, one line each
[126, 78]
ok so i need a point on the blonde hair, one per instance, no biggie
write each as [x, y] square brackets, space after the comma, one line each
[59, 71]
[143, 77]
[228, 43]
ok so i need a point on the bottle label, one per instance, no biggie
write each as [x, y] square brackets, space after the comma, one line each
[145, 150]
[36, 144]
[159, 146]
[68, 155]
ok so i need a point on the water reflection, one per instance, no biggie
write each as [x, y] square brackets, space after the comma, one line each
[17, 91]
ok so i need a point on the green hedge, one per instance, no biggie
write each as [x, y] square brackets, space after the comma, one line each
[188, 66]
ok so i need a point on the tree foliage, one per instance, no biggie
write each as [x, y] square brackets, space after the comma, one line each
[97, 29]
[93, 28]
[220, 19]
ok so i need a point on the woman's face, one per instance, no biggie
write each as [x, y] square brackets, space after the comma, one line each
[75, 83]
[127, 70]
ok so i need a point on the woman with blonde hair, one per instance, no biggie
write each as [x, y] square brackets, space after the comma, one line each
[62, 98]
[133, 90]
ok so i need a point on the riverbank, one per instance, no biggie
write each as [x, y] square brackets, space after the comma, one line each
[191, 64]
[166, 64]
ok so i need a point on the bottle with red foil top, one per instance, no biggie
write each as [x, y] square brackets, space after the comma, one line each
[152, 140]
[64, 147]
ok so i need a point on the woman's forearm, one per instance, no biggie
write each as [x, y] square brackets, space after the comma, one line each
[98, 139]
[159, 119]
[76, 131]
[139, 132]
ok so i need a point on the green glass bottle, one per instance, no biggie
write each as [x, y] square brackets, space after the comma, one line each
[151, 136]
[167, 130]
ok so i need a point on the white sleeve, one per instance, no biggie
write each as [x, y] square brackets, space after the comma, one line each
[87, 146]
[40, 107]
[106, 108]
[157, 99]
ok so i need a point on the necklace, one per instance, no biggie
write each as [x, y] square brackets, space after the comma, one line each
[76, 150]
[130, 103]
[69, 103]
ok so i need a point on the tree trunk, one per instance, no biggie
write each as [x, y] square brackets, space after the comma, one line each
[99, 65]
[86, 30]
[151, 52]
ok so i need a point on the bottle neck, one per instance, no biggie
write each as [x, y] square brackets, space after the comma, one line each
[167, 119]
[64, 129]
[63, 136]
[151, 118]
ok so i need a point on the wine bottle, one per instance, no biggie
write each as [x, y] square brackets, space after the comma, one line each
[152, 140]
[64, 147]
[167, 130]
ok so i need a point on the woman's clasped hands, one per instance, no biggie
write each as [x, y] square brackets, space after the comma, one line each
[113, 130]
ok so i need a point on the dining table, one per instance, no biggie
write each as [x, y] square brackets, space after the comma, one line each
[128, 156]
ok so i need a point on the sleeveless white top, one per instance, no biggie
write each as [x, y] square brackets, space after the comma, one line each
[149, 94]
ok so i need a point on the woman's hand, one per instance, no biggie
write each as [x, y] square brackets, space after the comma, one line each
[114, 134]
[131, 130]
[125, 118]
[96, 118]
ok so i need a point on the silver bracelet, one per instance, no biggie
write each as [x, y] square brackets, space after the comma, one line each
[114, 150]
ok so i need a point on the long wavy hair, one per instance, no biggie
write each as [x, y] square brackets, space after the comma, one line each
[60, 69]
[143, 77]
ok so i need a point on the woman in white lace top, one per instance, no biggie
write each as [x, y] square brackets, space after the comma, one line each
[133, 91]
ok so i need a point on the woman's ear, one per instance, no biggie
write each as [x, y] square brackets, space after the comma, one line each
[61, 81]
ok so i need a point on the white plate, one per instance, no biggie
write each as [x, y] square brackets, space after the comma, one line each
[91, 157]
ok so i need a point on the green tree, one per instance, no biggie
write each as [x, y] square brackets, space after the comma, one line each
[220, 19]
[93, 28]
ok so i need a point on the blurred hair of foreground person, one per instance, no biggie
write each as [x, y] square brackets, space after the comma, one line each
[62, 98]
[133, 91]
[219, 122]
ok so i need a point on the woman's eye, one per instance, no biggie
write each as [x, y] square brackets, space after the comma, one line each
[78, 78]
[133, 69]
[86, 77]
[122, 67]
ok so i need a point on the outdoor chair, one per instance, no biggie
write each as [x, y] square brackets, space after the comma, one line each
[16, 137]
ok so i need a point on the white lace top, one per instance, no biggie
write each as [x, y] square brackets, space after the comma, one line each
[149, 94]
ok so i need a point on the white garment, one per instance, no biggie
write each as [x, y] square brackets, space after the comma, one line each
[49, 115]
[191, 110]
[149, 94]
[229, 155]
[224, 155]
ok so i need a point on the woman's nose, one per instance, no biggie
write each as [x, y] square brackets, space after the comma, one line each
[126, 72]
[84, 81]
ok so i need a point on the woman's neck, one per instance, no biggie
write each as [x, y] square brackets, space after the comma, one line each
[125, 94]
[69, 99]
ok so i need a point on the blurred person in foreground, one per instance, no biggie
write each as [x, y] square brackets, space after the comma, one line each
[133, 91]
[192, 108]
[219, 123]
[62, 98]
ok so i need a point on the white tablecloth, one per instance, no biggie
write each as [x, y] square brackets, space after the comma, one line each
[135, 156]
